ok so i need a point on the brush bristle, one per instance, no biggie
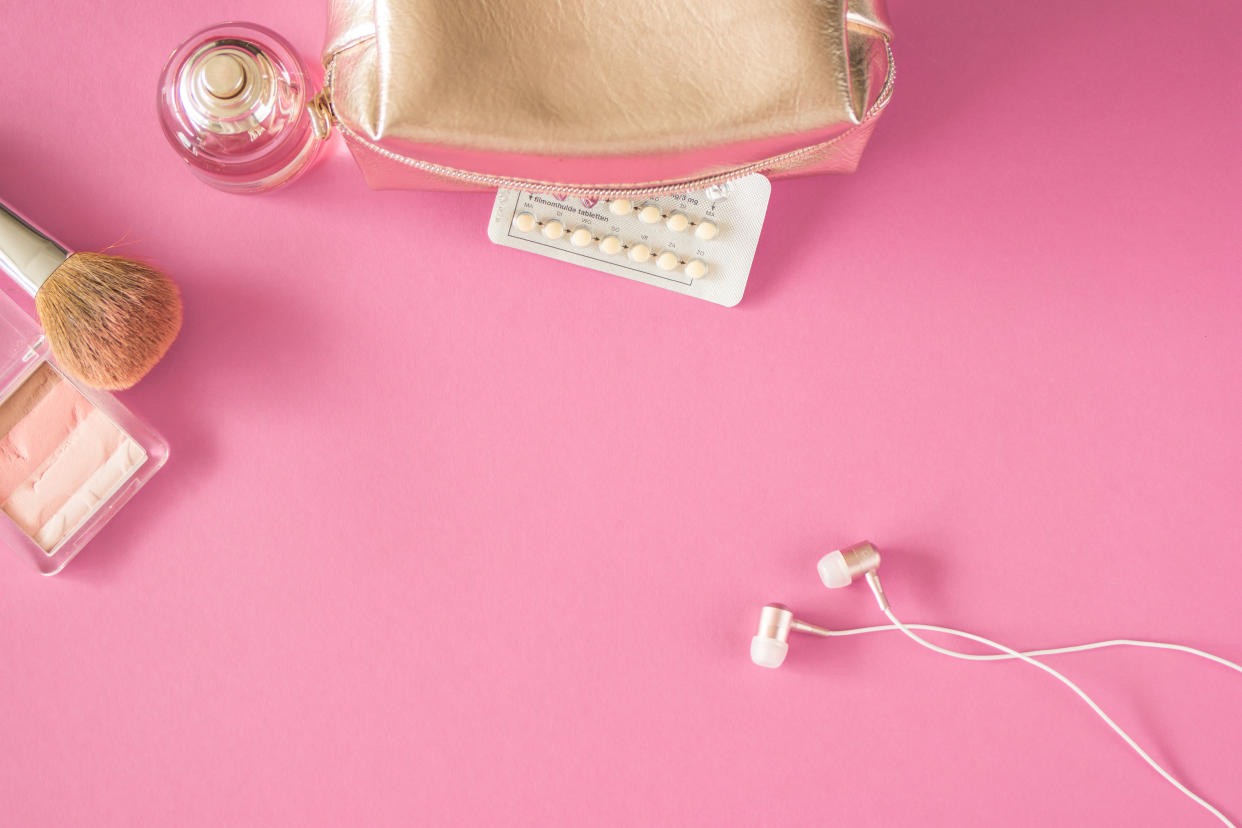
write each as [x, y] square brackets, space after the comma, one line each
[108, 319]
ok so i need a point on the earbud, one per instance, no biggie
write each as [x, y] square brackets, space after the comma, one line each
[840, 568]
[771, 644]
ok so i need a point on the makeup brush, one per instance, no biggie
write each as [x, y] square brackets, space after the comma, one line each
[108, 319]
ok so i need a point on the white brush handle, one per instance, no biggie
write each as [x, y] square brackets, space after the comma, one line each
[27, 254]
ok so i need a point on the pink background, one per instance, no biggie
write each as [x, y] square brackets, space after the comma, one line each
[456, 535]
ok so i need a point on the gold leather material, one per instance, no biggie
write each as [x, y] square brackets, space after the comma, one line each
[868, 58]
[872, 14]
[349, 22]
[604, 94]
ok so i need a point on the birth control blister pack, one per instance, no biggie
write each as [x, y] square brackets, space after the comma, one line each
[700, 244]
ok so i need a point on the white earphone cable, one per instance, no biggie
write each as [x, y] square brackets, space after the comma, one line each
[1011, 653]
[1076, 648]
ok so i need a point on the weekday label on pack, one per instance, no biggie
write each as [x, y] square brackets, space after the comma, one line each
[700, 244]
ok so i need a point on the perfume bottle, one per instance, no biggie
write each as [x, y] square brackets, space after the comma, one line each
[239, 106]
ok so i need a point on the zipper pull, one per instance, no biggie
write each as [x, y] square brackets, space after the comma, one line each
[319, 108]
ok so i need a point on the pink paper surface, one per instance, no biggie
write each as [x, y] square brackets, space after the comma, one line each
[454, 535]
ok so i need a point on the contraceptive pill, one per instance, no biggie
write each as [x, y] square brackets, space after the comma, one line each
[650, 214]
[696, 269]
[705, 230]
[667, 261]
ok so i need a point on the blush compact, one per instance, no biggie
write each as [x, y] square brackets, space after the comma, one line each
[70, 456]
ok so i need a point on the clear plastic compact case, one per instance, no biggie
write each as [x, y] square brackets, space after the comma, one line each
[70, 456]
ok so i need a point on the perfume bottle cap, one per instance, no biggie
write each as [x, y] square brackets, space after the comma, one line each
[234, 103]
[224, 75]
[227, 89]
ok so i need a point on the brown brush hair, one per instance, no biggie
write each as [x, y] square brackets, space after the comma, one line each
[107, 318]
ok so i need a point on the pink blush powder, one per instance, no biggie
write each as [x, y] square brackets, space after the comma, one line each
[59, 457]
[48, 410]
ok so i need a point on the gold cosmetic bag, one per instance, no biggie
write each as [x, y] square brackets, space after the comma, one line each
[604, 99]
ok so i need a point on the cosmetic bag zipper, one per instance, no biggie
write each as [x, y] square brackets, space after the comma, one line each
[324, 117]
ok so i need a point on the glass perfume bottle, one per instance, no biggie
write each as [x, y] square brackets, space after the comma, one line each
[239, 106]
